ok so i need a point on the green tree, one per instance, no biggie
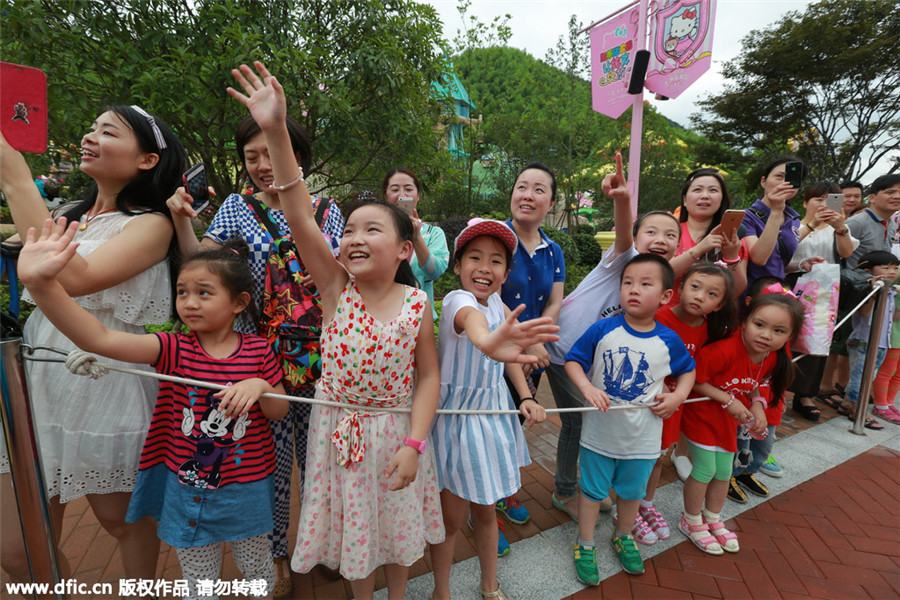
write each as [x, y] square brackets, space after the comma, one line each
[538, 111]
[458, 189]
[828, 79]
[356, 72]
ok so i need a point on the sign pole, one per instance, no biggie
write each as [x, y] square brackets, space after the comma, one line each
[637, 119]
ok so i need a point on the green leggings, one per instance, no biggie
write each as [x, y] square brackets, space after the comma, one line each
[709, 464]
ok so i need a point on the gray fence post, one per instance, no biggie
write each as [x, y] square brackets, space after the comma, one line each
[25, 466]
[868, 375]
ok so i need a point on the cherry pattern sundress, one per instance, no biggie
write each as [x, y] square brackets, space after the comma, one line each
[349, 518]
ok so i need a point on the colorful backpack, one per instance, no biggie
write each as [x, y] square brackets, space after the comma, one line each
[291, 314]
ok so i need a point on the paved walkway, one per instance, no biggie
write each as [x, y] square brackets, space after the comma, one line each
[834, 536]
[829, 530]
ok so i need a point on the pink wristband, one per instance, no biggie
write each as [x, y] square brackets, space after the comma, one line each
[761, 400]
[729, 403]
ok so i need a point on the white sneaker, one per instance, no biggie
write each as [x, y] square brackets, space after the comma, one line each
[683, 466]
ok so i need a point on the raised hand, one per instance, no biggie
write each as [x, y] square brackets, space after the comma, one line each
[44, 256]
[783, 192]
[180, 203]
[264, 95]
[507, 341]
[715, 239]
[615, 185]
[833, 218]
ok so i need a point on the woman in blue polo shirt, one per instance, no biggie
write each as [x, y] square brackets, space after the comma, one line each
[536, 277]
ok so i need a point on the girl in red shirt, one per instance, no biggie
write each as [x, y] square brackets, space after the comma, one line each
[706, 312]
[730, 372]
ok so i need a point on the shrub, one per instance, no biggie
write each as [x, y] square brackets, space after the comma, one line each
[584, 228]
[588, 248]
[574, 275]
[452, 227]
[569, 248]
[446, 283]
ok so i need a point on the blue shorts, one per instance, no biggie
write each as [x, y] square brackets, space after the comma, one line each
[599, 473]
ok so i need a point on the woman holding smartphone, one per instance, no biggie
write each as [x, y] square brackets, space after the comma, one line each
[826, 238]
[704, 203]
[237, 218]
[772, 226]
[91, 431]
[430, 255]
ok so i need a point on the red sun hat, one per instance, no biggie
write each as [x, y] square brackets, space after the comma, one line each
[496, 229]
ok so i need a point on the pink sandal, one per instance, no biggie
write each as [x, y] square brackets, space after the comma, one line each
[708, 543]
[727, 539]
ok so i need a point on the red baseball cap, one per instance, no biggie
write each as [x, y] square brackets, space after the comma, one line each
[496, 229]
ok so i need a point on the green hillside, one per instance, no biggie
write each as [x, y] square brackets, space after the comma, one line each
[535, 111]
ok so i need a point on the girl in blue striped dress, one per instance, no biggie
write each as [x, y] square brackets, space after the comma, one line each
[478, 457]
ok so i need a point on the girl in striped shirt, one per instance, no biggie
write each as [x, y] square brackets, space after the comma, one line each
[206, 468]
[478, 456]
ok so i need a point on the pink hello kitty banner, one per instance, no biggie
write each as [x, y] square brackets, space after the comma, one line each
[681, 45]
[613, 45]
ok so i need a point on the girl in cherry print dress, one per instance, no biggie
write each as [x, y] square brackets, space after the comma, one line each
[370, 497]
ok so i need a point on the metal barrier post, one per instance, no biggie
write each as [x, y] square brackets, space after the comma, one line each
[25, 466]
[868, 374]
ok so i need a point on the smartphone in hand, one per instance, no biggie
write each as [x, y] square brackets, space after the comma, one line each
[835, 202]
[196, 185]
[793, 173]
[731, 220]
[407, 205]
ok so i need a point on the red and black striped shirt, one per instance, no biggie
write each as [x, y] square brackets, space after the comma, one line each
[243, 458]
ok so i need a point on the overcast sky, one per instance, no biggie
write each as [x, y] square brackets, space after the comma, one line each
[537, 25]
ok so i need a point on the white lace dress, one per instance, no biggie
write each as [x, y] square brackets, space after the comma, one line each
[90, 432]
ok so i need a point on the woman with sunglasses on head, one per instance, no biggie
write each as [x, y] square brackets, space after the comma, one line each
[121, 275]
[704, 200]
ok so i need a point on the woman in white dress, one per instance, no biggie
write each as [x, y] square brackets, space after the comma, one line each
[90, 432]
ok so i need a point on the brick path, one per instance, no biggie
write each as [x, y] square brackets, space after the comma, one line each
[835, 536]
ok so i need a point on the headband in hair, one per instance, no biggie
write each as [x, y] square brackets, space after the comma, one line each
[160, 142]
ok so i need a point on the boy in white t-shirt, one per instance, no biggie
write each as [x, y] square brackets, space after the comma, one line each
[623, 360]
[595, 298]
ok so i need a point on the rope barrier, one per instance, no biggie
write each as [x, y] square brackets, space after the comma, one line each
[87, 365]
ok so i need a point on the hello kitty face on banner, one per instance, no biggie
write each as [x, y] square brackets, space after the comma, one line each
[681, 45]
